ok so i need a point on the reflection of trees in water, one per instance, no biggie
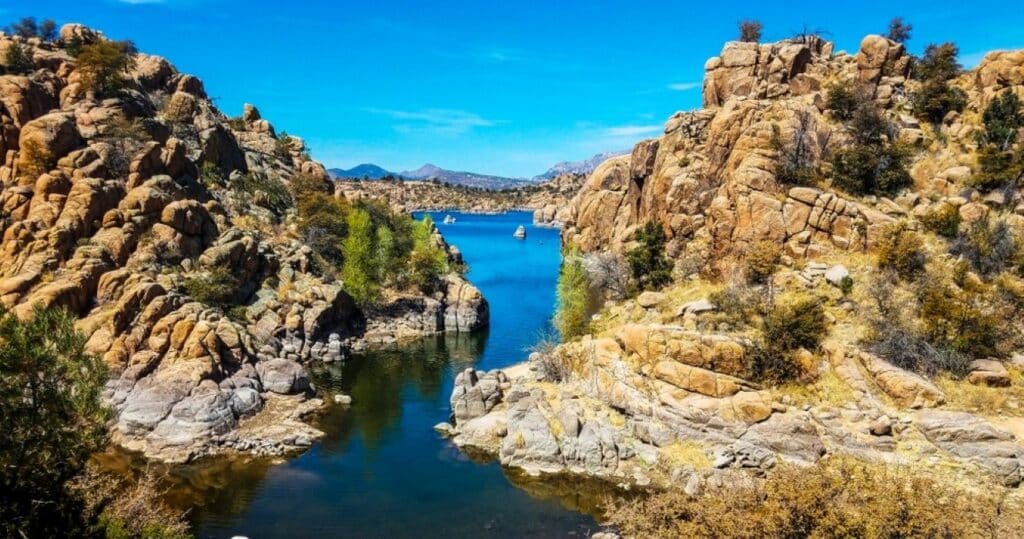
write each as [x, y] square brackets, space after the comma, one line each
[379, 382]
[222, 486]
[575, 493]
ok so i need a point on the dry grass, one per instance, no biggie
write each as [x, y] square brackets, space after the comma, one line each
[963, 395]
[829, 388]
[836, 498]
[686, 453]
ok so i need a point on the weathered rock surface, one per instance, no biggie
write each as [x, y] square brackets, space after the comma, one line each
[123, 208]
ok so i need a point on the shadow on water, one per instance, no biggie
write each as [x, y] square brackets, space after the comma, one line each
[380, 470]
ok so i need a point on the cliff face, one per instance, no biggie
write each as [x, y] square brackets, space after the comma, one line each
[664, 390]
[710, 180]
[126, 209]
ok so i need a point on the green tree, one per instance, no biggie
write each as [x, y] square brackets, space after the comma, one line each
[103, 65]
[427, 261]
[1003, 118]
[25, 28]
[647, 262]
[18, 58]
[935, 98]
[360, 272]
[48, 30]
[899, 31]
[52, 421]
[750, 30]
[574, 297]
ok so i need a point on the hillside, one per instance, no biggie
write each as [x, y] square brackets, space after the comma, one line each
[466, 179]
[365, 170]
[585, 166]
[189, 245]
[548, 199]
[823, 263]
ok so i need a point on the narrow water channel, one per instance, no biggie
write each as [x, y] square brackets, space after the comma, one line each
[381, 470]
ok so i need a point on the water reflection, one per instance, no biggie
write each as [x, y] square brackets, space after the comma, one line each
[380, 470]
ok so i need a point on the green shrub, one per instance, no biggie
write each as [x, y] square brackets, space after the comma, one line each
[48, 30]
[935, 98]
[283, 146]
[899, 31]
[427, 261]
[761, 261]
[359, 272]
[842, 101]
[944, 220]
[650, 268]
[1003, 119]
[104, 65]
[871, 169]
[901, 250]
[871, 163]
[574, 298]
[52, 421]
[217, 288]
[18, 58]
[265, 191]
[750, 30]
[988, 246]
[35, 159]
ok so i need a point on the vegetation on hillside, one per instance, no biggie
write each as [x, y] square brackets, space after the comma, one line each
[575, 297]
[53, 421]
[840, 498]
[650, 268]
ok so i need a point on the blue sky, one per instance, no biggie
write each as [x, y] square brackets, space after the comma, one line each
[504, 88]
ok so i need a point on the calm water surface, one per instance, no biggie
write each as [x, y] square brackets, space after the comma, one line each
[381, 470]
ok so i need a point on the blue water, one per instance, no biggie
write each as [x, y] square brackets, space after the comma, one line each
[381, 471]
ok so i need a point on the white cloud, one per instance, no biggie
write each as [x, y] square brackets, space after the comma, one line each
[439, 121]
[632, 130]
[684, 86]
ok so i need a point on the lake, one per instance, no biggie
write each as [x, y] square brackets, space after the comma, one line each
[381, 470]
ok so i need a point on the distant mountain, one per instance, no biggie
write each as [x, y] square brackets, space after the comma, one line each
[469, 179]
[579, 167]
[366, 170]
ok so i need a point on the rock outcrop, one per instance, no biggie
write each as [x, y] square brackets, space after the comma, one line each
[710, 180]
[151, 216]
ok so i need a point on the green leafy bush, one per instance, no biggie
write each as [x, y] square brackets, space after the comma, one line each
[750, 30]
[18, 58]
[1003, 118]
[650, 268]
[871, 163]
[360, 272]
[761, 261]
[901, 250]
[791, 323]
[990, 246]
[899, 31]
[575, 299]
[427, 261]
[842, 100]
[104, 65]
[944, 220]
[217, 287]
[52, 419]
[265, 191]
[935, 98]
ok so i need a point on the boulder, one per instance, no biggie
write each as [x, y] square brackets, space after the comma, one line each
[283, 376]
[988, 372]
